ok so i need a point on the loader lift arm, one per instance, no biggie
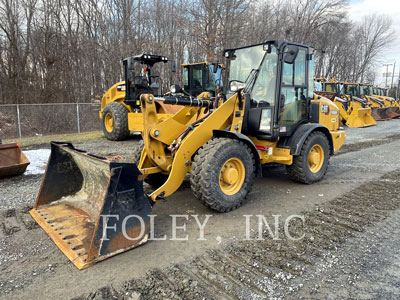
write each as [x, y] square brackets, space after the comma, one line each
[156, 136]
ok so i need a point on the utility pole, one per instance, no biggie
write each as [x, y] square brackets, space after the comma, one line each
[398, 87]
[386, 74]
[394, 69]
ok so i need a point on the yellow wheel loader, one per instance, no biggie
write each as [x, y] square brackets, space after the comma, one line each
[202, 77]
[354, 112]
[384, 108]
[94, 208]
[120, 110]
[381, 93]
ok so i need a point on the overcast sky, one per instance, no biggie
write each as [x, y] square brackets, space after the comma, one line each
[359, 8]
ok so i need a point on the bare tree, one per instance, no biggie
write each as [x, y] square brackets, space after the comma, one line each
[71, 50]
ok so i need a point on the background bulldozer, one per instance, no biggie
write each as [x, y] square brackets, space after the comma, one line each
[93, 208]
[354, 112]
[120, 108]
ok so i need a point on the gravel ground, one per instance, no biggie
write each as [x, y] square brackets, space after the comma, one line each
[341, 257]
[350, 250]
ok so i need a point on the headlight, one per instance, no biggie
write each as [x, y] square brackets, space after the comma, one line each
[236, 85]
[265, 122]
[173, 89]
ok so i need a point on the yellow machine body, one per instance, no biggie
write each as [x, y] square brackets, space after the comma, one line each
[135, 118]
[85, 198]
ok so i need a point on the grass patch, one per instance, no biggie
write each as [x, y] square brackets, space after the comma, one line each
[70, 137]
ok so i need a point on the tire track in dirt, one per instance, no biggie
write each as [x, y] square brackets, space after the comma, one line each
[346, 148]
[257, 269]
[269, 268]
[14, 220]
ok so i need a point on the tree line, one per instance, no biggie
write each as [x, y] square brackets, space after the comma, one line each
[71, 50]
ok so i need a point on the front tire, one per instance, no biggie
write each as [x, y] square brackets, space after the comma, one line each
[115, 122]
[222, 174]
[312, 163]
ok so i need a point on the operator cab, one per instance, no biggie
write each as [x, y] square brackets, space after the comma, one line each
[351, 89]
[277, 81]
[145, 81]
[202, 77]
[331, 87]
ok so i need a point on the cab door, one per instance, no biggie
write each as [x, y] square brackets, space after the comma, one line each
[294, 93]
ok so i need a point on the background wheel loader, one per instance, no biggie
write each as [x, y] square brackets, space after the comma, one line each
[93, 208]
[120, 108]
[354, 112]
[381, 93]
[202, 77]
[386, 108]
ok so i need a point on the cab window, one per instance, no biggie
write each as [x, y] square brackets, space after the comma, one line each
[293, 99]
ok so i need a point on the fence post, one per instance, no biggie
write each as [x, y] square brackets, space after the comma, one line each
[77, 117]
[19, 122]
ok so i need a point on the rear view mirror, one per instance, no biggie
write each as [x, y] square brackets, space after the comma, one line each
[290, 54]
[173, 66]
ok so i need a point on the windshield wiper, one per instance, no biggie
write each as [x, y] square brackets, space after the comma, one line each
[250, 80]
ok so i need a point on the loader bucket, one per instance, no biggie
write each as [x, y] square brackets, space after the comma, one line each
[360, 118]
[393, 112]
[12, 160]
[380, 114]
[91, 208]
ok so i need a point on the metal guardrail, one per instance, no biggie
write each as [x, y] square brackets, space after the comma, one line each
[18, 120]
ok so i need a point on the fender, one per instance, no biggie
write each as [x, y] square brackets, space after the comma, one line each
[244, 139]
[296, 140]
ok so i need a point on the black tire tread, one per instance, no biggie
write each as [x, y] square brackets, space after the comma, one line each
[202, 169]
[120, 118]
[296, 171]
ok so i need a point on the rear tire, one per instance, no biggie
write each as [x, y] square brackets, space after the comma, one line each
[115, 122]
[154, 180]
[312, 163]
[220, 157]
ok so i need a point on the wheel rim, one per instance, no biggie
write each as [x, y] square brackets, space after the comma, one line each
[315, 158]
[109, 122]
[231, 176]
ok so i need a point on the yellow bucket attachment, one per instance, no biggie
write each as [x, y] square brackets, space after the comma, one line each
[360, 117]
[91, 208]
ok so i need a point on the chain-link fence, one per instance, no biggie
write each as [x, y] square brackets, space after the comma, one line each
[23, 120]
